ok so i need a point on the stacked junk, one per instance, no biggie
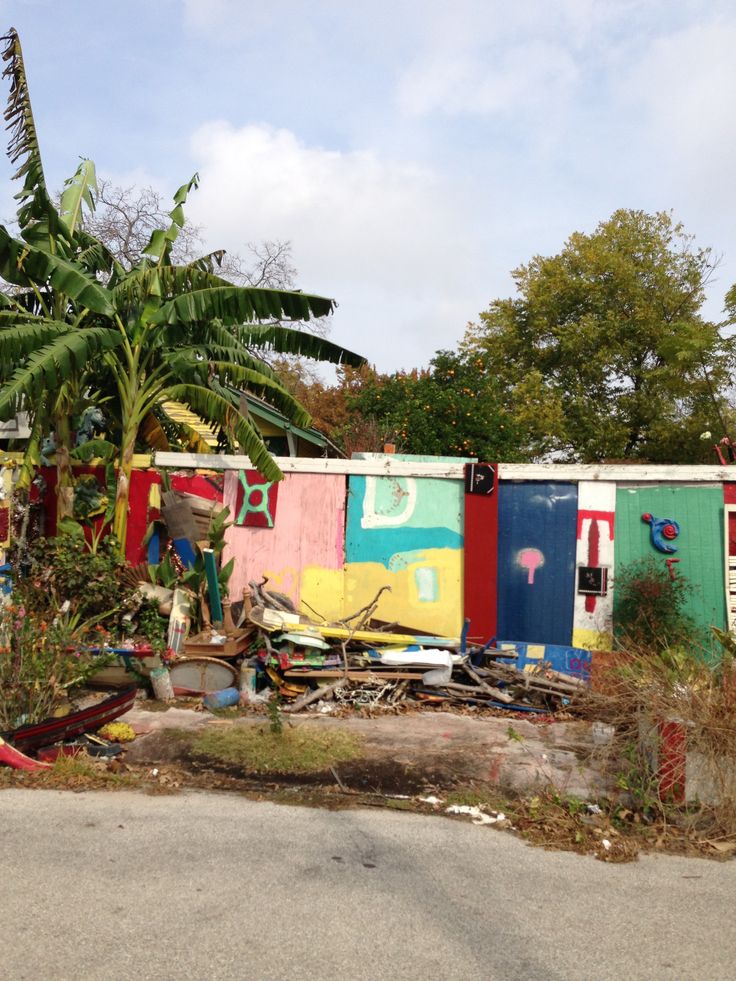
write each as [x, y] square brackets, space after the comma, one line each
[262, 645]
[273, 648]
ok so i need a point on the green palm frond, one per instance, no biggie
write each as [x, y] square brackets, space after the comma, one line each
[23, 148]
[214, 408]
[46, 369]
[164, 282]
[94, 449]
[20, 340]
[242, 304]
[78, 190]
[232, 352]
[22, 265]
[94, 256]
[288, 340]
[159, 247]
[246, 379]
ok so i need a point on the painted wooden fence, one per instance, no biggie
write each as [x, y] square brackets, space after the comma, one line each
[533, 560]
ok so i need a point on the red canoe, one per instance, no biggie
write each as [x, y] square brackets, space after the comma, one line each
[19, 761]
[68, 726]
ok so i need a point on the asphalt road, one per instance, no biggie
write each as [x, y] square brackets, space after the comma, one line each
[120, 885]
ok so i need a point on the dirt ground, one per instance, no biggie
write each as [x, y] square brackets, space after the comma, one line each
[409, 754]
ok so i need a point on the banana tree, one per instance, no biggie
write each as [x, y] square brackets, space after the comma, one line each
[76, 320]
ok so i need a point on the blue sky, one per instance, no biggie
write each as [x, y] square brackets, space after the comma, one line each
[412, 152]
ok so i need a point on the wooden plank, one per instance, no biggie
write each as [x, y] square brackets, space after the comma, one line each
[384, 467]
[356, 674]
[635, 473]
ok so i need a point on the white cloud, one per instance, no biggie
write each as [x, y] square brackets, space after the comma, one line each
[384, 238]
[532, 75]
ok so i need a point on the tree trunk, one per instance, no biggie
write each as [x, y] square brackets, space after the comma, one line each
[120, 521]
[64, 479]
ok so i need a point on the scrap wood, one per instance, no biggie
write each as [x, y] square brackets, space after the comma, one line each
[488, 689]
[313, 695]
[270, 598]
[512, 676]
[355, 674]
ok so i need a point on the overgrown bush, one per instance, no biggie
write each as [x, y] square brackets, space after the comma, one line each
[54, 570]
[40, 660]
[645, 693]
[649, 610]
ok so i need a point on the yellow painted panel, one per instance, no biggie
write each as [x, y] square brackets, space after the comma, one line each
[591, 640]
[335, 593]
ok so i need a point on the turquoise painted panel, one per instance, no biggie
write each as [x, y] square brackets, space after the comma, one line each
[392, 520]
[699, 545]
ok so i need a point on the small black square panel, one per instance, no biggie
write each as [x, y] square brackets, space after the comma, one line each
[592, 580]
[479, 478]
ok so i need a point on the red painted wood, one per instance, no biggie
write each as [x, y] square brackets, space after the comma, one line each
[672, 760]
[139, 514]
[481, 563]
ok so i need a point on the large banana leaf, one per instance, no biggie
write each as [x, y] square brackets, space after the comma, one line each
[288, 340]
[240, 304]
[47, 368]
[23, 149]
[234, 375]
[232, 352]
[213, 408]
[165, 282]
[159, 247]
[94, 256]
[22, 265]
[17, 341]
[78, 190]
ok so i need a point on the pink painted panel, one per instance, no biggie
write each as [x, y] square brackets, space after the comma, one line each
[309, 531]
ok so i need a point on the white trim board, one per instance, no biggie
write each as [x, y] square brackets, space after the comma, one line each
[388, 466]
[383, 467]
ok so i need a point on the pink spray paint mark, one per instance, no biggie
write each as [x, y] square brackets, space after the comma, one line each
[530, 559]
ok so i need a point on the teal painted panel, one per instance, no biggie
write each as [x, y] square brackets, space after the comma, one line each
[700, 550]
[392, 516]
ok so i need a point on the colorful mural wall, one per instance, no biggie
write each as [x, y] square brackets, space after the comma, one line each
[533, 559]
[407, 533]
[594, 562]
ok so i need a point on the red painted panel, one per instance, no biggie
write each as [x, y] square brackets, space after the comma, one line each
[139, 514]
[481, 562]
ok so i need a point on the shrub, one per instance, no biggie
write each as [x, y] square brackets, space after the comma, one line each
[649, 611]
[40, 660]
[55, 570]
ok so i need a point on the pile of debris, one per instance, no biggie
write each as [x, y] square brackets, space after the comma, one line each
[364, 662]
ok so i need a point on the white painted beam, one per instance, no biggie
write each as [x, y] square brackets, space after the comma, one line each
[630, 474]
[389, 466]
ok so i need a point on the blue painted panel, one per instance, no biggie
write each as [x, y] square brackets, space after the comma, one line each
[568, 660]
[536, 561]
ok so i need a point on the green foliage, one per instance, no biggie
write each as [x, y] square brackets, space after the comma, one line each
[62, 569]
[603, 353]
[153, 627]
[453, 409]
[649, 610]
[40, 660]
[275, 717]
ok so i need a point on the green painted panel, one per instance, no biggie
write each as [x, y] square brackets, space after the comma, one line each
[699, 512]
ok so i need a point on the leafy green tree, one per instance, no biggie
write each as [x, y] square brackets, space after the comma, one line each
[450, 409]
[78, 324]
[603, 353]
